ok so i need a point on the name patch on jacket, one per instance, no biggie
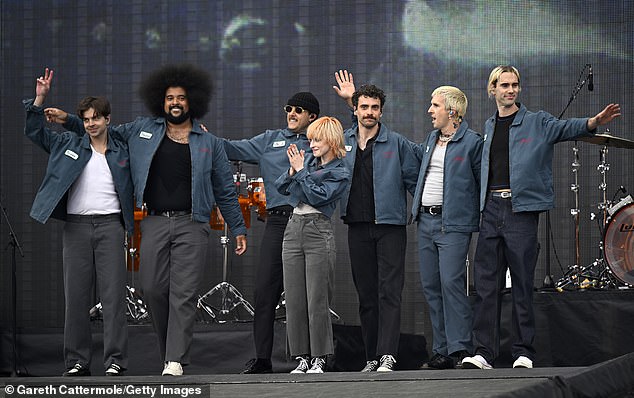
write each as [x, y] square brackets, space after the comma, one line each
[71, 154]
[145, 134]
[278, 144]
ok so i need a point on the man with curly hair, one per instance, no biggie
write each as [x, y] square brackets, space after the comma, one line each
[384, 168]
[179, 171]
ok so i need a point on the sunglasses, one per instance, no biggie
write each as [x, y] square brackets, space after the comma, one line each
[298, 109]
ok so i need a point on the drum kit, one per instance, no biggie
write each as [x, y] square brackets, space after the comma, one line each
[615, 266]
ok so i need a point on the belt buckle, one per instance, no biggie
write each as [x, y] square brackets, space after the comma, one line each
[505, 195]
[432, 210]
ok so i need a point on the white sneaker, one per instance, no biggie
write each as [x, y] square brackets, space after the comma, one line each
[523, 362]
[172, 369]
[303, 366]
[387, 364]
[318, 365]
[475, 362]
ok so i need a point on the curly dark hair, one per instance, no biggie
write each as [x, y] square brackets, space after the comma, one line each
[196, 82]
[368, 90]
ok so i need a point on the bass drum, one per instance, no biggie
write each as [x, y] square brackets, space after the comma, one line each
[619, 244]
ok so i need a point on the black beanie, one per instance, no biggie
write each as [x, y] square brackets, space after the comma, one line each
[306, 100]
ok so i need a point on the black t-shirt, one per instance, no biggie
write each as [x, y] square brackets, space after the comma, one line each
[499, 156]
[169, 183]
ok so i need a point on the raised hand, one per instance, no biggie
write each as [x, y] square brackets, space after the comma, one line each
[345, 85]
[43, 86]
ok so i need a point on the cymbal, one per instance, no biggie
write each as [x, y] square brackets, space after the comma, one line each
[609, 140]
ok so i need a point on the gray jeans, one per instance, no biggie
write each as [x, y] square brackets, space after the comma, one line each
[94, 247]
[308, 255]
[172, 265]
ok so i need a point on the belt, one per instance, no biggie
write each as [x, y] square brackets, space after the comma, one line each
[433, 210]
[311, 216]
[284, 211]
[93, 218]
[169, 213]
[502, 194]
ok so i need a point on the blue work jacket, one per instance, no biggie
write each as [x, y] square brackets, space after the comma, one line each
[212, 177]
[461, 179]
[68, 155]
[316, 185]
[395, 172]
[268, 151]
[532, 136]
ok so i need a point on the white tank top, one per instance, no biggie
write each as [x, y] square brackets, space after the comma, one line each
[93, 192]
[433, 191]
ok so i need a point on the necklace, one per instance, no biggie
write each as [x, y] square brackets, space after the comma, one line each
[445, 138]
[182, 138]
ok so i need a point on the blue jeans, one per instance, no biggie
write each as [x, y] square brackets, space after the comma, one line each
[442, 265]
[507, 239]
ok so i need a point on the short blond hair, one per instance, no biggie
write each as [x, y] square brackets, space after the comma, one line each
[455, 100]
[329, 129]
[495, 76]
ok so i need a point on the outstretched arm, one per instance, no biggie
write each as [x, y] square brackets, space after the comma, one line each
[55, 115]
[43, 86]
[604, 117]
[345, 86]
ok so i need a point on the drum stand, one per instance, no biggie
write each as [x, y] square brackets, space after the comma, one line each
[229, 297]
[597, 274]
[280, 310]
[135, 307]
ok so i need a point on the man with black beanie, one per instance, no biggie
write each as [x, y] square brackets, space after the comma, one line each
[268, 150]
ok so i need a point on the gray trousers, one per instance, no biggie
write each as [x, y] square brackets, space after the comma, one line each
[308, 255]
[172, 259]
[93, 246]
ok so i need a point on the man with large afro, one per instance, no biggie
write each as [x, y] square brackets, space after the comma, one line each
[179, 171]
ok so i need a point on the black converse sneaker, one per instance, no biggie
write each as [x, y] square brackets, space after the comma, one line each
[114, 370]
[318, 365]
[303, 366]
[77, 370]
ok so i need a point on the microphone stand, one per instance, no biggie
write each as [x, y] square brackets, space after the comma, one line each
[15, 244]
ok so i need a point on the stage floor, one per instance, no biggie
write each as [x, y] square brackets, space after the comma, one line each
[585, 347]
[611, 379]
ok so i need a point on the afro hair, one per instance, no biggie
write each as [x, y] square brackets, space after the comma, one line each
[196, 82]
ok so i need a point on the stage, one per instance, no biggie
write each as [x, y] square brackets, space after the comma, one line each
[614, 378]
[584, 342]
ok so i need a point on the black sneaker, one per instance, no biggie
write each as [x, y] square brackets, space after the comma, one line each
[258, 365]
[318, 365]
[303, 365]
[458, 356]
[438, 362]
[114, 370]
[371, 366]
[76, 371]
